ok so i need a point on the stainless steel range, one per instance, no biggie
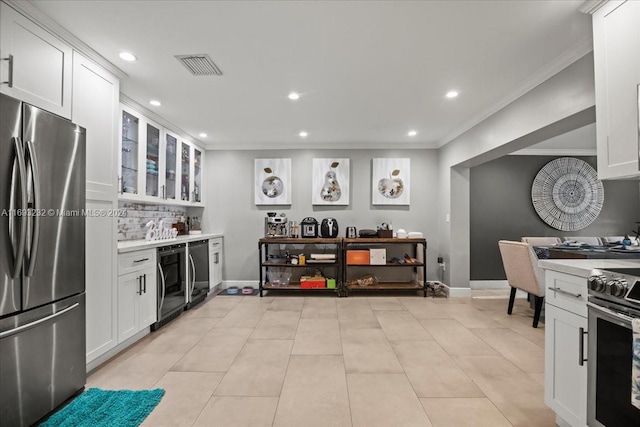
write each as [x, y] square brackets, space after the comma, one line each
[613, 303]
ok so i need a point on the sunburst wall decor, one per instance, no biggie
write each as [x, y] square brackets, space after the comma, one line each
[567, 194]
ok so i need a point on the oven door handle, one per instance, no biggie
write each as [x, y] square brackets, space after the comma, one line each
[620, 316]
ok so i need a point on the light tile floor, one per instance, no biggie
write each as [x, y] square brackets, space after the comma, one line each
[364, 360]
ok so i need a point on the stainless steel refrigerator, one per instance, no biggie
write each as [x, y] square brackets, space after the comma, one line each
[42, 262]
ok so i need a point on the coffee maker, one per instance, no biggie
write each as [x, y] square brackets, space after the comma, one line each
[276, 225]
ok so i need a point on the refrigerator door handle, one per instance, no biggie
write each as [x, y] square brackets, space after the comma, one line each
[35, 237]
[162, 290]
[37, 322]
[193, 279]
[19, 254]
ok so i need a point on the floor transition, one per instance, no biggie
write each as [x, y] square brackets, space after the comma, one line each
[358, 361]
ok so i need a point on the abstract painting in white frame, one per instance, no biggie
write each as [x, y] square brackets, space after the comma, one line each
[391, 180]
[272, 181]
[330, 182]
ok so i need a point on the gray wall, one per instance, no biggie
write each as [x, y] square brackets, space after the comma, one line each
[501, 209]
[561, 103]
[231, 209]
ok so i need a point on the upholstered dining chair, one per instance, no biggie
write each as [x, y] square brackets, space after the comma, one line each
[542, 241]
[521, 266]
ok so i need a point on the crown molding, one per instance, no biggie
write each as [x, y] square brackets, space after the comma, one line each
[308, 145]
[580, 49]
[590, 6]
[135, 105]
[31, 12]
[555, 152]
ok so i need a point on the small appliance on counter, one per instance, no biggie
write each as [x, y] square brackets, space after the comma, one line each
[368, 233]
[351, 233]
[309, 227]
[276, 225]
[329, 228]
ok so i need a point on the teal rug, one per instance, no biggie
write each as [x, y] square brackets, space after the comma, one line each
[106, 408]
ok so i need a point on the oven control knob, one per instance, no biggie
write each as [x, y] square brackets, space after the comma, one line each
[617, 287]
[597, 283]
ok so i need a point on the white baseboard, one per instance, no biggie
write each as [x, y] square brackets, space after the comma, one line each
[489, 284]
[459, 292]
[95, 363]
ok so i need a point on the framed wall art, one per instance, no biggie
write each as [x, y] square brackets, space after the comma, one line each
[330, 182]
[272, 181]
[391, 179]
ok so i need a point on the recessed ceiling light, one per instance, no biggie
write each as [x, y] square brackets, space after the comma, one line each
[303, 134]
[294, 96]
[202, 135]
[452, 94]
[155, 103]
[127, 56]
[412, 133]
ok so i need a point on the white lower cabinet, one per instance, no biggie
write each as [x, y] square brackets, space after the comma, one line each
[137, 292]
[215, 262]
[565, 388]
[565, 345]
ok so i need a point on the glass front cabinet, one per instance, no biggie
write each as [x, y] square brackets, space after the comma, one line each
[157, 165]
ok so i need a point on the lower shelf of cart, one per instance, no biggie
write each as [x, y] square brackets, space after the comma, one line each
[292, 287]
[386, 286]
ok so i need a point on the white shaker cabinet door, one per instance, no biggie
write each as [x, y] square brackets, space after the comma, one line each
[36, 66]
[616, 50]
[148, 298]
[565, 382]
[128, 312]
[96, 108]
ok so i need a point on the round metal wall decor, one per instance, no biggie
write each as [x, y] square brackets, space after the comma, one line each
[567, 194]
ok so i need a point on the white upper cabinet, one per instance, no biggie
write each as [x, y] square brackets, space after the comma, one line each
[157, 165]
[96, 94]
[616, 48]
[36, 66]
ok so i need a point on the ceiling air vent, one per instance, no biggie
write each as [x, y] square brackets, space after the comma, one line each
[199, 65]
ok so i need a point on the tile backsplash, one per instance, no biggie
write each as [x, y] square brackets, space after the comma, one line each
[132, 226]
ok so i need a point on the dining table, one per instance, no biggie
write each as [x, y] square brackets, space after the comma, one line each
[587, 251]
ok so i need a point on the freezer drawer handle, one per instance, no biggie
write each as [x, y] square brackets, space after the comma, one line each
[140, 260]
[9, 81]
[37, 322]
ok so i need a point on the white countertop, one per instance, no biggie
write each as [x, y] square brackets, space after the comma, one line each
[583, 267]
[136, 245]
